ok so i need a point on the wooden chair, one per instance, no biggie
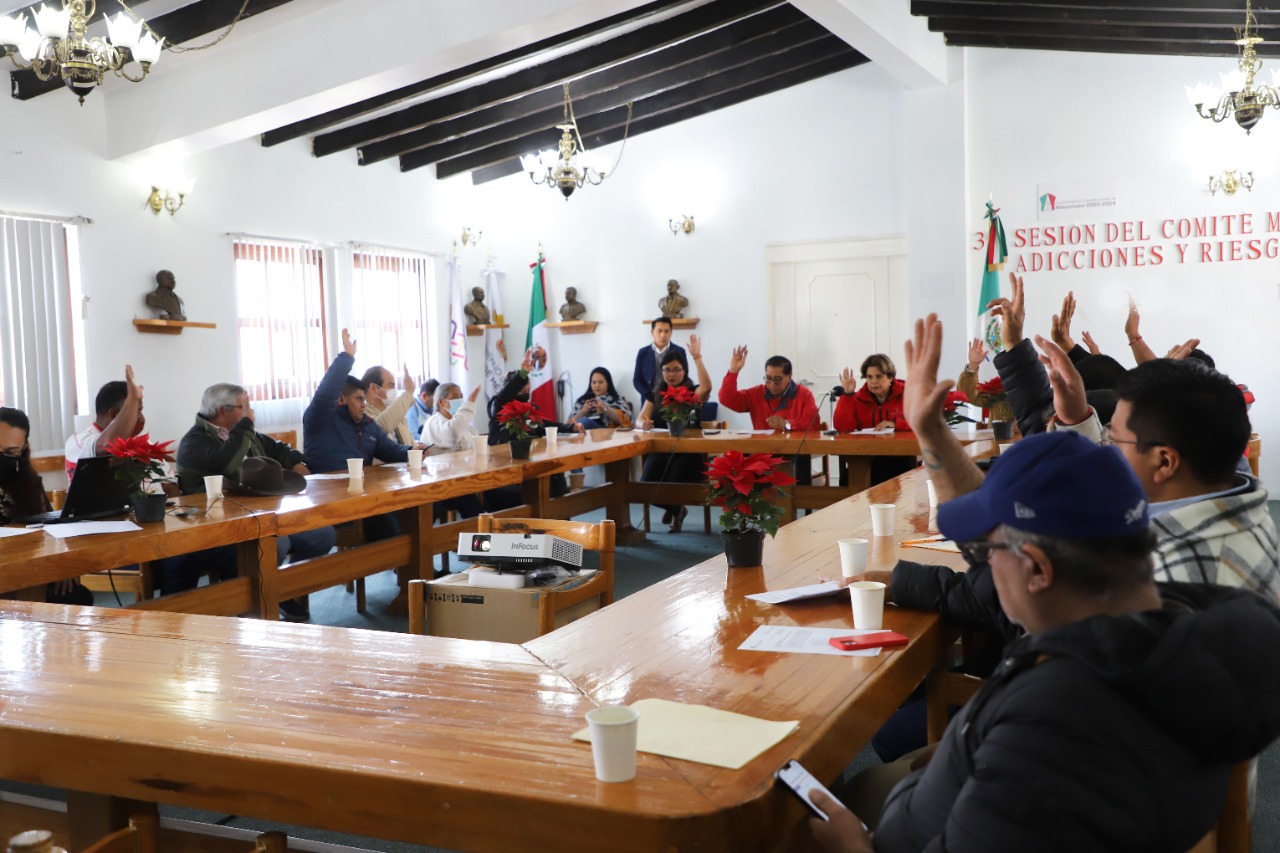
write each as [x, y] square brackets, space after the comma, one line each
[271, 842]
[288, 436]
[592, 537]
[142, 835]
[706, 508]
[135, 581]
[1254, 452]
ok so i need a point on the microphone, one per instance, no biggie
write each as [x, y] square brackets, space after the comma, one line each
[837, 391]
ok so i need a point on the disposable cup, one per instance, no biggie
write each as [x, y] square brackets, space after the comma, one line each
[355, 468]
[933, 492]
[480, 445]
[613, 741]
[415, 462]
[553, 435]
[868, 604]
[1004, 447]
[213, 486]
[853, 556]
[882, 519]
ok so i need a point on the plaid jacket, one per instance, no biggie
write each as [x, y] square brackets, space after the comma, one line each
[1229, 541]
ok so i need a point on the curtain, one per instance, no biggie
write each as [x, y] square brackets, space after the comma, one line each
[391, 292]
[37, 364]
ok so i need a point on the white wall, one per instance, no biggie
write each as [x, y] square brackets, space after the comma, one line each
[1038, 117]
[816, 161]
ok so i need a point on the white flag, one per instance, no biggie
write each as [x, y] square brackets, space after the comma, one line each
[457, 329]
[495, 351]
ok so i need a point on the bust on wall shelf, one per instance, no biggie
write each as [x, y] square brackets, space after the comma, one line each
[572, 309]
[164, 299]
[673, 304]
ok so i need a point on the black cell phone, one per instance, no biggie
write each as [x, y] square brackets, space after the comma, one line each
[625, 429]
[800, 782]
[711, 432]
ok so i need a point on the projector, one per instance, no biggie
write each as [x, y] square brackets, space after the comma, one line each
[520, 552]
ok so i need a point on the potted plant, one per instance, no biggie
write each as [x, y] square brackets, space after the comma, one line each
[138, 461]
[678, 403]
[992, 398]
[950, 410]
[749, 488]
[520, 419]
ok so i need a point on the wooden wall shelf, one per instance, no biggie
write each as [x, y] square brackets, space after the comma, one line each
[170, 327]
[679, 323]
[575, 327]
[476, 331]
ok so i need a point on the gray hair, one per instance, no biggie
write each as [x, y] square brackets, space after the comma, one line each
[443, 392]
[1093, 565]
[217, 396]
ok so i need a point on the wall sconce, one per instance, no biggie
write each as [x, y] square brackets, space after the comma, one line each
[162, 198]
[685, 225]
[1230, 182]
[470, 239]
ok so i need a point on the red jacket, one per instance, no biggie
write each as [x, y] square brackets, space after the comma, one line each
[861, 411]
[800, 411]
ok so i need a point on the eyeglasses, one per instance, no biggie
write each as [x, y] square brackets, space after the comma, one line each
[978, 551]
[1109, 439]
[676, 369]
[775, 380]
[12, 453]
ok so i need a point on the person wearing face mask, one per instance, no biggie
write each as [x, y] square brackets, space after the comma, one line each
[118, 410]
[22, 493]
[450, 427]
[602, 406]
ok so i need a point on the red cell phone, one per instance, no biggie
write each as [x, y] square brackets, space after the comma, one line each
[874, 640]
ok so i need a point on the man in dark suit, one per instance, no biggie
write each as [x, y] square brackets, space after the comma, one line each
[649, 358]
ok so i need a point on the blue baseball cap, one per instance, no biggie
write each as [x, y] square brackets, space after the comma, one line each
[1055, 484]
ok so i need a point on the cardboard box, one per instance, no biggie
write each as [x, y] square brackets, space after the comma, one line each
[457, 609]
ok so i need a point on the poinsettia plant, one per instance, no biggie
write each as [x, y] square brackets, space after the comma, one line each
[749, 488]
[678, 403]
[949, 410]
[139, 461]
[993, 400]
[520, 419]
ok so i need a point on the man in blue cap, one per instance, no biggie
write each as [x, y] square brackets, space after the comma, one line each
[1112, 721]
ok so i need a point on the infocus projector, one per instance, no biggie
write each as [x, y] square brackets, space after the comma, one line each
[518, 551]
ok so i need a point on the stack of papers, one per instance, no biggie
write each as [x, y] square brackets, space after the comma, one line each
[85, 528]
[799, 593]
[811, 641]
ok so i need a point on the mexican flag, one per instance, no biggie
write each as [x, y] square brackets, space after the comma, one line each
[541, 389]
[997, 253]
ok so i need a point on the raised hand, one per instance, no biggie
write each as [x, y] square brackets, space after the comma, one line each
[739, 359]
[848, 380]
[475, 392]
[1068, 388]
[695, 347]
[1131, 322]
[348, 343]
[526, 363]
[132, 388]
[977, 352]
[1094, 349]
[1183, 350]
[924, 395]
[409, 383]
[1013, 312]
[1060, 330]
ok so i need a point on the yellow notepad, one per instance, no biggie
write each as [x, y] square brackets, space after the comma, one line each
[933, 543]
[702, 734]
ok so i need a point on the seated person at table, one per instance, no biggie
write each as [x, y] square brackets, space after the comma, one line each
[601, 406]
[421, 409]
[22, 493]
[336, 428]
[876, 405]
[1112, 723]
[389, 412]
[649, 358]
[223, 437]
[780, 403]
[450, 429]
[675, 467]
[118, 414]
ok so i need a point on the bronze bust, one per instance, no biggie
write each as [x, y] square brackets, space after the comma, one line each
[673, 304]
[164, 300]
[477, 313]
[572, 309]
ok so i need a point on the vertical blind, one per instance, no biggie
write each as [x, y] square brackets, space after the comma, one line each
[37, 365]
[390, 295]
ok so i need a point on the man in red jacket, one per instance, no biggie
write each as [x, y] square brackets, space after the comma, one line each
[780, 403]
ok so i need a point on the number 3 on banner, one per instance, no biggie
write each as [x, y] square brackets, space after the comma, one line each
[981, 243]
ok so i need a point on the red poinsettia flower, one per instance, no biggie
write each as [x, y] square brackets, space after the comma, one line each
[748, 486]
[139, 447]
[678, 402]
[520, 418]
[954, 398]
[991, 388]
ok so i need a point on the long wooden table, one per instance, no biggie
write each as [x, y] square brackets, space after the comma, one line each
[457, 743]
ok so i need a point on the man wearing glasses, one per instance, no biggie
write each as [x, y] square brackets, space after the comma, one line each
[780, 403]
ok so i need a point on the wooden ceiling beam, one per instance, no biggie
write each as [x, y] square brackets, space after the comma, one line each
[593, 58]
[1157, 48]
[308, 126]
[1087, 31]
[989, 11]
[723, 48]
[661, 109]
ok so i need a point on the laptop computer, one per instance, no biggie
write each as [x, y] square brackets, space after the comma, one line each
[94, 492]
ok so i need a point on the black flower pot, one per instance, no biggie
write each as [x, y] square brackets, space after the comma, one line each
[520, 447]
[677, 428]
[148, 508]
[1002, 430]
[743, 550]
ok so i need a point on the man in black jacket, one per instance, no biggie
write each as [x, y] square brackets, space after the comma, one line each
[1112, 723]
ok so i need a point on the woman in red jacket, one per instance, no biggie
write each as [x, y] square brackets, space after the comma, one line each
[876, 405]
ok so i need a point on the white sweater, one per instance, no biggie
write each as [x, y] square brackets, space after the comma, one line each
[453, 433]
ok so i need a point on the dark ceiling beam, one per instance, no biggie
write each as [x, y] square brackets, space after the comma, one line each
[1073, 30]
[679, 101]
[722, 46]
[693, 110]
[740, 62]
[1106, 45]
[983, 11]
[593, 58]
[178, 26]
[308, 126]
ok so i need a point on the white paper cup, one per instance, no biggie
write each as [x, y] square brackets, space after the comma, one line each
[933, 492]
[355, 468]
[613, 741]
[213, 487]
[1004, 447]
[415, 462]
[853, 556]
[868, 604]
[480, 446]
[882, 519]
[553, 435]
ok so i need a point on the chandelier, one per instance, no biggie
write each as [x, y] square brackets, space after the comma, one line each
[57, 47]
[1240, 97]
[572, 165]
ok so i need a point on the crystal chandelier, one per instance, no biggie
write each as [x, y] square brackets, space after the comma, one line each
[572, 165]
[1240, 97]
[58, 48]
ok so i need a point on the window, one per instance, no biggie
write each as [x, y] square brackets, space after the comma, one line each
[390, 295]
[280, 302]
[39, 331]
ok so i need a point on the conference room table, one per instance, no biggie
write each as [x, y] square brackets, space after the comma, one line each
[457, 743]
